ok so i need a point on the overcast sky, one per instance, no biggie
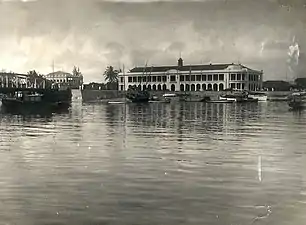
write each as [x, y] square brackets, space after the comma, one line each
[93, 34]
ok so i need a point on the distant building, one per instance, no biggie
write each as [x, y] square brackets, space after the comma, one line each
[65, 79]
[13, 79]
[277, 85]
[214, 77]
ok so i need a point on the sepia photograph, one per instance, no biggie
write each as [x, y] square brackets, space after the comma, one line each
[153, 112]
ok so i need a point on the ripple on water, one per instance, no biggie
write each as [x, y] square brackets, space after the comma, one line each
[192, 163]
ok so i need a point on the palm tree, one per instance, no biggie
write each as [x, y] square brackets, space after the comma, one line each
[111, 77]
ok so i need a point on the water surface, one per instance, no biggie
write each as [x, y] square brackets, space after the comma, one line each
[191, 163]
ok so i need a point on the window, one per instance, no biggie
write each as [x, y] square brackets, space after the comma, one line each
[198, 77]
[154, 79]
[243, 76]
[233, 85]
[215, 77]
[139, 79]
[233, 76]
[182, 87]
[238, 76]
[144, 79]
[221, 76]
[239, 86]
[203, 77]
[172, 87]
[159, 78]
[192, 77]
[121, 87]
[204, 87]
[187, 78]
[221, 87]
[209, 87]
[121, 79]
[209, 77]
[187, 87]
[182, 78]
[192, 87]
[134, 79]
[172, 78]
[215, 87]
[198, 87]
[164, 78]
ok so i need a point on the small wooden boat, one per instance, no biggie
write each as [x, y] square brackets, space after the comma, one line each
[261, 96]
[297, 100]
[31, 101]
[237, 96]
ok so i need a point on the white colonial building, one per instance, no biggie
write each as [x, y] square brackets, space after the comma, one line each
[213, 77]
[63, 78]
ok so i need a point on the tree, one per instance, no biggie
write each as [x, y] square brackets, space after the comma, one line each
[76, 71]
[111, 75]
[32, 73]
[38, 79]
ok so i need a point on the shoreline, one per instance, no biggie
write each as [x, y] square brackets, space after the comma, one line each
[90, 95]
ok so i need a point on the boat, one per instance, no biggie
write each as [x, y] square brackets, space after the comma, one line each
[184, 97]
[220, 101]
[297, 100]
[261, 96]
[196, 98]
[136, 95]
[238, 97]
[28, 101]
[173, 97]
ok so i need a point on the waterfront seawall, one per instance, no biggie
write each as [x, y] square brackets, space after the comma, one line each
[90, 95]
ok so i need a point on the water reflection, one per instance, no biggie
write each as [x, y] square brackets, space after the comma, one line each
[191, 116]
[190, 163]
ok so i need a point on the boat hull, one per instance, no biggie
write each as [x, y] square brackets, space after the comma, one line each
[259, 98]
[297, 100]
[17, 106]
[297, 104]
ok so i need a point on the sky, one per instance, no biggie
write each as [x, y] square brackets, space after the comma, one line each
[93, 34]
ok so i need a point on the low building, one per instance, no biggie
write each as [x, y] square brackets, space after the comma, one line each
[214, 77]
[13, 79]
[65, 79]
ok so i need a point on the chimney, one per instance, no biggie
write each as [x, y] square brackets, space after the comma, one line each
[180, 62]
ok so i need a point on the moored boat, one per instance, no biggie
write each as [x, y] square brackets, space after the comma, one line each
[297, 100]
[261, 96]
[135, 95]
[237, 96]
[32, 101]
[220, 101]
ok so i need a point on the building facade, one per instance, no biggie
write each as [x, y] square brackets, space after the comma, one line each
[13, 79]
[66, 79]
[211, 77]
